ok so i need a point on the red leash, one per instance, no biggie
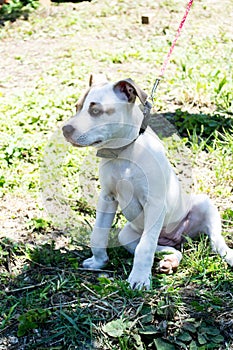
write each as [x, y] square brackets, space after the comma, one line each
[165, 63]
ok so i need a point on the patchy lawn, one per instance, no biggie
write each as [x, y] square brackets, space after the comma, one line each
[49, 189]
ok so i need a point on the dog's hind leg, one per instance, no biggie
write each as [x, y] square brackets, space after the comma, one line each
[213, 225]
[210, 224]
[170, 261]
[129, 239]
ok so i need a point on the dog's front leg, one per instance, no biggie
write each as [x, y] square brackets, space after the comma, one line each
[140, 276]
[105, 213]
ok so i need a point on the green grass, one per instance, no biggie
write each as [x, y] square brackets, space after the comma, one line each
[63, 304]
[48, 301]
[16, 9]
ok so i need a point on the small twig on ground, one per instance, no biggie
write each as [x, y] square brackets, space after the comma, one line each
[11, 291]
[89, 290]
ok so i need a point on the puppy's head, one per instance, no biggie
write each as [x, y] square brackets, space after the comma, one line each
[105, 114]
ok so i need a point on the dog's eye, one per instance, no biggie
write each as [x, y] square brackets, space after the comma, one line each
[95, 109]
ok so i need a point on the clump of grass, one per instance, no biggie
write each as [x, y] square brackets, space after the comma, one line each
[15, 9]
[202, 124]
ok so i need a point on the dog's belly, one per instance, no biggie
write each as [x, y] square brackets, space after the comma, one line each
[176, 236]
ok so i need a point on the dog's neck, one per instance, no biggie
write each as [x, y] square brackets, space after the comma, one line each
[113, 153]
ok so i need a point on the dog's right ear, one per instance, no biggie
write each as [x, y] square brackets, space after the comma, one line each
[97, 79]
[127, 90]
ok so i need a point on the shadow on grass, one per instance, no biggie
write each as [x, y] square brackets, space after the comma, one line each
[185, 124]
[40, 291]
[16, 9]
[49, 301]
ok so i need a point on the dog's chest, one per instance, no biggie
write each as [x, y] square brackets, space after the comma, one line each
[126, 181]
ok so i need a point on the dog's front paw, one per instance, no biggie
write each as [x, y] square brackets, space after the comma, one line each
[93, 263]
[169, 264]
[139, 281]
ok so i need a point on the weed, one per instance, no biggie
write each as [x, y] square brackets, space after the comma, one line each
[37, 224]
[32, 320]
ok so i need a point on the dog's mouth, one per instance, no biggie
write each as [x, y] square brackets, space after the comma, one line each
[94, 144]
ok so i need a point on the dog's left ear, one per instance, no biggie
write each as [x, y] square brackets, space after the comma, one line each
[97, 79]
[127, 90]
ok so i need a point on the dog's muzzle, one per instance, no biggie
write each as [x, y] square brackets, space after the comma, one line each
[80, 141]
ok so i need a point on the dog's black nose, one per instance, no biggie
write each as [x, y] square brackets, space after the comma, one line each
[67, 130]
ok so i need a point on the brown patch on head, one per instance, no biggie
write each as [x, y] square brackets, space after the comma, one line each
[110, 111]
[95, 79]
[96, 109]
[79, 104]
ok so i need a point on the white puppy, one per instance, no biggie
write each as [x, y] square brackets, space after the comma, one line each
[136, 174]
